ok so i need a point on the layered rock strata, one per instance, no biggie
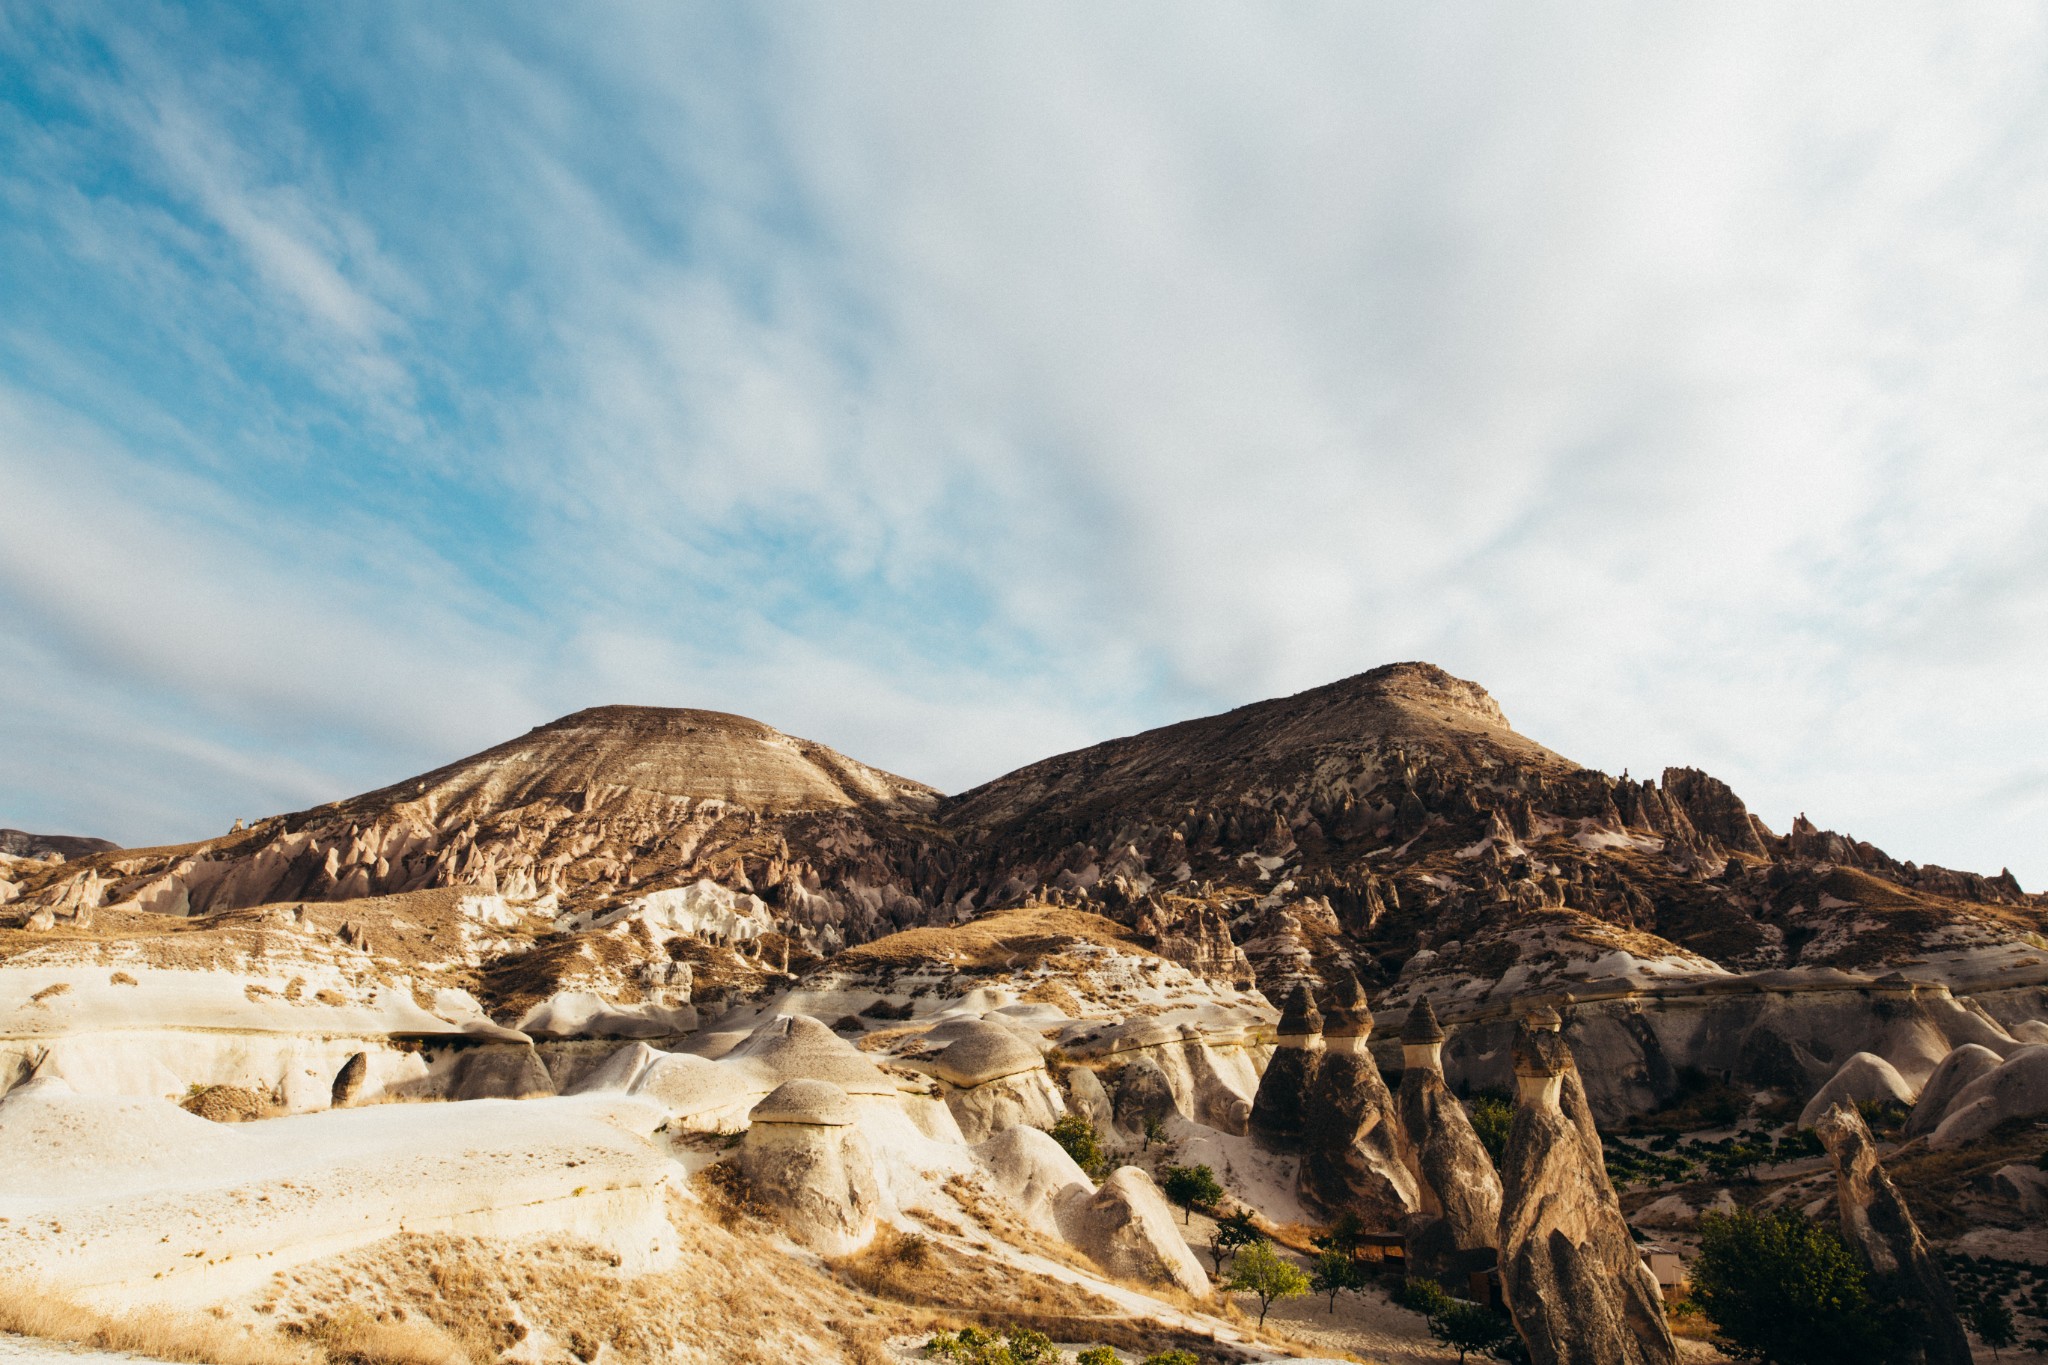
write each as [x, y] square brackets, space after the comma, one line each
[1880, 1230]
[1456, 1230]
[1578, 1291]
[1354, 1153]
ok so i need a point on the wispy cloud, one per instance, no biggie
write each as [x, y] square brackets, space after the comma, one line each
[958, 388]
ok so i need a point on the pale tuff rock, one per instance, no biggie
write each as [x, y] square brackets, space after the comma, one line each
[1573, 1280]
[1086, 1097]
[993, 1080]
[1457, 1229]
[2024, 1189]
[2018, 1089]
[1277, 1117]
[1127, 1228]
[805, 1161]
[1880, 1230]
[1036, 1175]
[500, 1072]
[1864, 1079]
[1355, 1156]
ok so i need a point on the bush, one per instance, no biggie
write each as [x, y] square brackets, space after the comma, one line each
[1783, 1290]
[1261, 1271]
[1172, 1358]
[1191, 1187]
[1097, 1355]
[1077, 1135]
[1462, 1325]
[972, 1346]
[1493, 1115]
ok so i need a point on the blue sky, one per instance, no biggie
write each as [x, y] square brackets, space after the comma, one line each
[957, 387]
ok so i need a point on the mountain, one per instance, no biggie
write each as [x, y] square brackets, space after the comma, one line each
[16, 843]
[1393, 825]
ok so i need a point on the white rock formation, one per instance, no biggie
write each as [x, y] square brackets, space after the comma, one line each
[1864, 1078]
[2018, 1089]
[804, 1159]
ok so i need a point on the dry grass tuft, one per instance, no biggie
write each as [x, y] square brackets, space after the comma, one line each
[354, 1337]
[29, 1310]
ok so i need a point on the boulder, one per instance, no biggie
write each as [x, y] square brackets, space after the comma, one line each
[1880, 1230]
[1456, 1228]
[1864, 1078]
[1127, 1228]
[1278, 1110]
[1354, 1151]
[1035, 1174]
[806, 1162]
[994, 1080]
[2018, 1089]
[348, 1082]
[1577, 1288]
[1141, 1092]
[2024, 1189]
[1960, 1067]
[2030, 1031]
[500, 1072]
[1086, 1097]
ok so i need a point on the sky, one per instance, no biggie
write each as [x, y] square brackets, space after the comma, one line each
[957, 386]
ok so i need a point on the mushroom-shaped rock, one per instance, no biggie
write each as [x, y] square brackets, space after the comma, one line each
[798, 1047]
[1880, 1230]
[1277, 1110]
[1354, 1152]
[1034, 1173]
[1864, 1078]
[701, 1095]
[1954, 1073]
[1127, 1228]
[983, 1052]
[1457, 1230]
[806, 1162]
[995, 1080]
[2018, 1089]
[1578, 1291]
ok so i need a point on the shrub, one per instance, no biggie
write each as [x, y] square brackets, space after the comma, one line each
[1262, 1271]
[1097, 1355]
[1992, 1321]
[973, 1346]
[1781, 1289]
[1172, 1358]
[1191, 1187]
[1493, 1115]
[1463, 1326]
[1077, 1135]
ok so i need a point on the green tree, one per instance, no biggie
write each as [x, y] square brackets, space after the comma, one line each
[1232, 1231]
[1077, 1135]
[1191, 1187]
[1493, 1115]
[1155, 1130]
[1347, 1235]
[1262, 1271]
[1335, 1272]
[1462, 1325]
[1786, 1291]
[1172, 1358]
[1991, 1320]
[1097, 1355]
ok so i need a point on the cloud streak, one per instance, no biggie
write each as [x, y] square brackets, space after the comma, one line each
[957, 390]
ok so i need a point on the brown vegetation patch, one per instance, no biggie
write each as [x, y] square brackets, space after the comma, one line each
[30, 1310]
[229, 1104]
[1002, 939]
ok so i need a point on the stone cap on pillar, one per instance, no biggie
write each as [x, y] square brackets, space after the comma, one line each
[1421, 1026]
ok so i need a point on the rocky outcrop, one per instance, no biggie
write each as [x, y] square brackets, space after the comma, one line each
[1456, 1229]
[1279, 1113]
[1864, 1079]
[993, 1080]
[1127, 1228]
[2018, 1089]
[1354, 1151]
[804, 1160]
[1577, 1288]
[1957, 1070]
[1880, 1230]
[348, 1082]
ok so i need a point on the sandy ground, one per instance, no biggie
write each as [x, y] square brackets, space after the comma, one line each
[29, 1351]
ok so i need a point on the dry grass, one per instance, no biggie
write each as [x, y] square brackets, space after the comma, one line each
[30, 1310]
[354, 1337]
[49, 992]
[1028, 934]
